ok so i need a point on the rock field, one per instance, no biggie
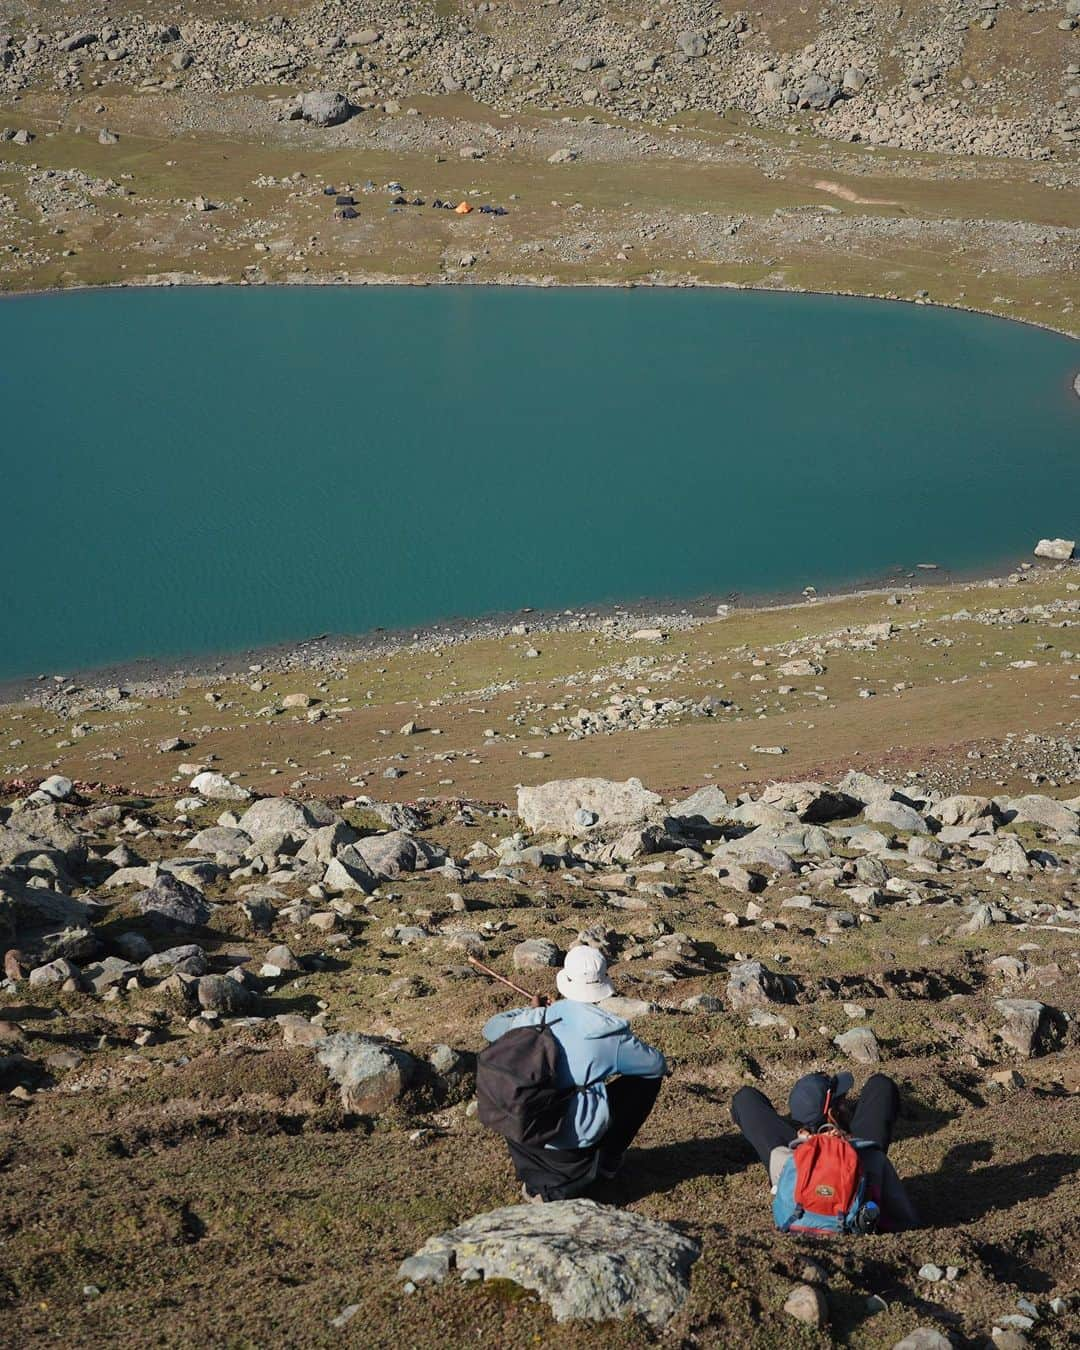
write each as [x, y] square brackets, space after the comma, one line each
[239, 1025]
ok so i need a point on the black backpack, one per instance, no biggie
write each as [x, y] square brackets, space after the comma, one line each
[517, 1089]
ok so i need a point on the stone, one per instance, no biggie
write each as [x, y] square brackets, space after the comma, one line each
[1057, 550]
[389, 856]
[114, 970]
[371, 1075]
[284, 959]
[279, 815]
[692, 45]
[1036, 809]
[1023, 1024]
[222, 994]
[175, 902]
[57, 787]
[55, 972]
[707, 806]
[924, 1338]
[752, 985]
[1008, 858]
[349, 872]
[811, 802]
[325, 108]
[896, 814]
[189, 959]
[536, 954]
[587, 1262]
[216, 787]
[932, 1273]
[962, 810]
[816, 92]
[859, 1044]
[297, 1030]
[219, 839]
[806, 1303]
[854, 80]
[553, 807]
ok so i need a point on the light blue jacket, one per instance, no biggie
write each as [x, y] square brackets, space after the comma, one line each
[595, 1045]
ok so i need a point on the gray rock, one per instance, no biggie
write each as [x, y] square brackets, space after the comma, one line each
[752, 985]
[553, 807]
[114, 970]
[222, 994]
[1057, 550]
[325, 108]
[896, 814]
[277, 815]
[349, 872]
[586, 1261]
[1036, 809]
[216, 787]
[174, 901]
[189, 959]
[57, 787]
[806, 1303]
[390, 855]
[535, 954]
[372, 1076]
[816, 92]
[55, 972]
[707, 806]
[1023, 1024]
[219, 840]
[1008, 858]
[924, 1338]
[859, 1044]
[692, 45]
[813, 803]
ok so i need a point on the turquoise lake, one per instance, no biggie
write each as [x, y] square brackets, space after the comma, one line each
[191, 471]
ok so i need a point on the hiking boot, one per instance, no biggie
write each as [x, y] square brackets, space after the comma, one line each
[528, 1197]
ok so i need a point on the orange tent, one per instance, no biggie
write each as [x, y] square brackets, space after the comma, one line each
[462, 208]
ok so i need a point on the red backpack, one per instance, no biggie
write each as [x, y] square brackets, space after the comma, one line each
[822, 1187]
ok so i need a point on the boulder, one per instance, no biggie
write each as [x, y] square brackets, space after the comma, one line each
[535, 954]
[924, 1338]
[963, 810]
[349, 872]
[1057, 550]
[554, 807]
[189, 959]
[1023, 1025]
[57, 788]
[1035, 809]
[859, 1044]
[811, 802]
[586, 1261]
[222, 994]
[103, 975]
[692, 45]
[1008, 858]
[325, 108]
[390, 855]
[323, 844]
[39, 906]
[707, 806]
[806, 1303]
[217, 788]
[219, 839]
[55, 972]
[174, 901]
[865, 788]
[277, 815]
[896, 814]
[752, 985]
[371, 1075]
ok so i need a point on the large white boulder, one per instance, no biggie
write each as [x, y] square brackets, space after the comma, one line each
[577, 806]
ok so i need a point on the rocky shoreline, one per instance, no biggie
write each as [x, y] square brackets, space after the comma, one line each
[161, 677]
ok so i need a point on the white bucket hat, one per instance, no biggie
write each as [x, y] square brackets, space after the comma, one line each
[584, 976]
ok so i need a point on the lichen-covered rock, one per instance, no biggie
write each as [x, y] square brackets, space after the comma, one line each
[222, 994]
[586, 1261]
[175, 902]
[578, 806]
[390, 855]
[371, 1075]
[751, 985]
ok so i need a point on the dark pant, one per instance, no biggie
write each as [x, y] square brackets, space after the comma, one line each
[873, 1118]
[562, 1174]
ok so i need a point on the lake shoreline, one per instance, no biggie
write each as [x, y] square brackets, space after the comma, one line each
[525, 282]
[156, 677]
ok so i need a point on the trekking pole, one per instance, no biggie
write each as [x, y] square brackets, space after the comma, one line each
[494, 974]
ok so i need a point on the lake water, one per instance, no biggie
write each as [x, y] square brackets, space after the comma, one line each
[190, 471]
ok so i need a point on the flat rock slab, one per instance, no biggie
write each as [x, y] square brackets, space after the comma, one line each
[586, 1261]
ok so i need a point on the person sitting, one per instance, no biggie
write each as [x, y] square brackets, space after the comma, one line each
[819, 1107]
[593, 1046]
